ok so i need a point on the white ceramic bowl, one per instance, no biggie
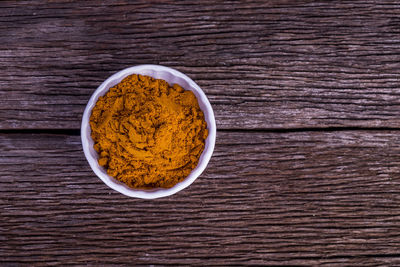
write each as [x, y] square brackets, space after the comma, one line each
[171, 76]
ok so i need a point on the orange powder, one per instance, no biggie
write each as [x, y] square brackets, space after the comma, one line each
[147, 133]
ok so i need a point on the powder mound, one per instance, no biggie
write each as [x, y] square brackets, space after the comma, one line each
[147, 133]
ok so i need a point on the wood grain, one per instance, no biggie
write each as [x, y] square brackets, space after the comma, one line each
[263, 64]
[296, 198]
[306, 169]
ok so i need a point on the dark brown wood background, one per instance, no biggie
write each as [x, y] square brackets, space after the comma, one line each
[306, 169]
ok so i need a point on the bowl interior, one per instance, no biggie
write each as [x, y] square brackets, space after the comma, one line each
[171, 76]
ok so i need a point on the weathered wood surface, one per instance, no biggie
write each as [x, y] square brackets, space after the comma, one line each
[295, 196]
[266, 198]
[263, 64]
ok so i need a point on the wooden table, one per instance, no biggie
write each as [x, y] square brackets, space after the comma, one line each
[306, 169]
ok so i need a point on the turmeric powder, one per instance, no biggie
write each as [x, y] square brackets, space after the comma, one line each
[147, 133]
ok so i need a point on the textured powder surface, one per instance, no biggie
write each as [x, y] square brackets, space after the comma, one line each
[147, 133]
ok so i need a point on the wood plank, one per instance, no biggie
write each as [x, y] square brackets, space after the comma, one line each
[266, 198]
[263, 64]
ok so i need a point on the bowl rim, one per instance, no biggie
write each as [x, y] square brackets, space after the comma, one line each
[159, 192]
